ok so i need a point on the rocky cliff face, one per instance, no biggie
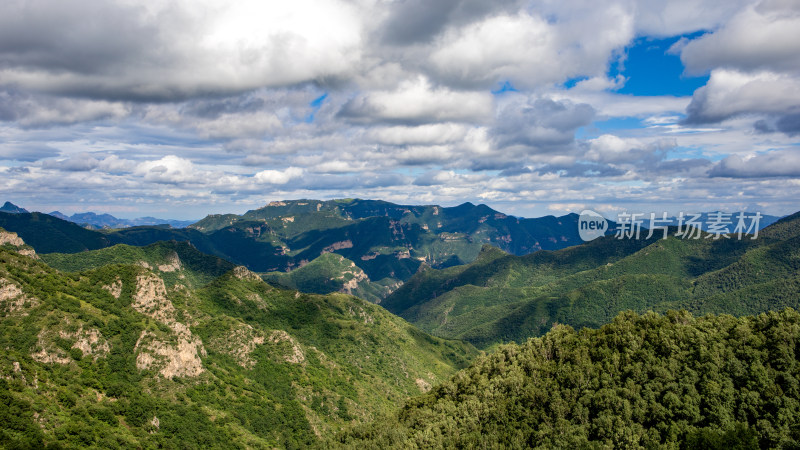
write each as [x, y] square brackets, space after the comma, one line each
[12, 240]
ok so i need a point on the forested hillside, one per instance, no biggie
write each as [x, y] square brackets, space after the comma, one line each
[501, 297]
[649, 381]
[149, 355]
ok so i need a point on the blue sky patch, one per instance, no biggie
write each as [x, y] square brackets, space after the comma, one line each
[316, 104]
[505, 87]
[610, 126]
[651, 70]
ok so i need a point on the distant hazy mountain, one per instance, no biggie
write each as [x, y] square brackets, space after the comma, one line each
[97, 221]
[94, 220]
[9, 207]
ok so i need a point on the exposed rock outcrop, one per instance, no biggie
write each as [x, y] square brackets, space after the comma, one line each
[174, 355]
[14, 302]
[359, 312]
[173, 263]
[151, 299]
[177, 355]
[240, 343]
[337, 246]
[423, 385]
[295, 355]
[12, 239]
[48, 353]
[350, 277]
[115, 288]
[243, 273]
[88, 340]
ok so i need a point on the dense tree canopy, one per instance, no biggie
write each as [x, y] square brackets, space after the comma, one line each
[647, 380]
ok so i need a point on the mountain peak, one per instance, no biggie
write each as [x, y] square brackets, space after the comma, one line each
[9, 207]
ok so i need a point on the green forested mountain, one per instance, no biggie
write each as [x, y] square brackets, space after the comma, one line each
[140, 357]
[459, 225]
[501, 297]
[650, 381]
[388, 242]
[333, 273]
[175, 262]
[48, 234]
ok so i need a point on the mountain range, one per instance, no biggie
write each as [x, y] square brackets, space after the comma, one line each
[160, 337]
[98, 221]
[388, 242]
[501, 297]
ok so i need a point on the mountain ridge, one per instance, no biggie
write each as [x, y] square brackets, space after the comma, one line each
[389, 242]
[516, 297]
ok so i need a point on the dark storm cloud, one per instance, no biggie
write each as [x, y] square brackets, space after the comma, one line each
[34, 110]
[9, 109]
[677, 166]
[697, 113]
[543, 125]
[417, 21]
[26, 152]
[777, 163]
[788, 124]
[358, 110]
[81, 162]
[212, 109]
[86, 37]
[513, 171]
[162, 52]
[433, 178]
[499, 162]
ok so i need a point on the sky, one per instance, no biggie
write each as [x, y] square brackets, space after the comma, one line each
[182, 108]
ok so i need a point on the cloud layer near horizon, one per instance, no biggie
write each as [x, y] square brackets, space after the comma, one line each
[193, 107]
